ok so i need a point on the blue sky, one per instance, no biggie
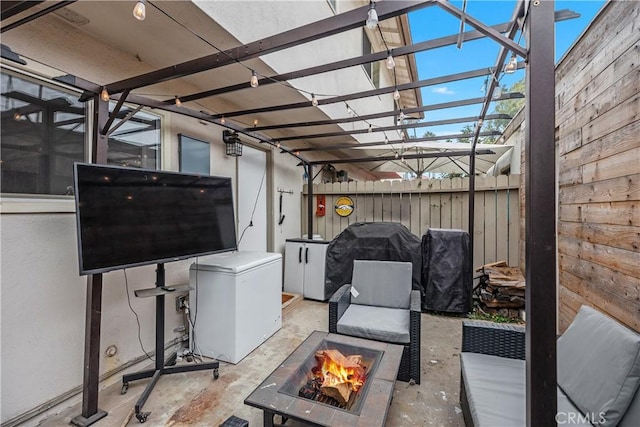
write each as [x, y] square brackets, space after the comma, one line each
[433, 22]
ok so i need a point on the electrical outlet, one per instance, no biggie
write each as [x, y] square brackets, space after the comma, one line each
[180, 302]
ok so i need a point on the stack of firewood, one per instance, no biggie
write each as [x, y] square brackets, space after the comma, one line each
[501, 288]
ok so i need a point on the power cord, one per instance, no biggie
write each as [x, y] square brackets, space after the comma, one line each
[255, 204]
[126, 283]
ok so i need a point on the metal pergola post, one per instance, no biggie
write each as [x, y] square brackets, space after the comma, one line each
[540, 214]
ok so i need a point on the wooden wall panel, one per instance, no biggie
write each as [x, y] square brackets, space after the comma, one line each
[420, 205]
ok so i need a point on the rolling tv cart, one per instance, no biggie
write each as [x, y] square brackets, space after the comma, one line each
[161, 367]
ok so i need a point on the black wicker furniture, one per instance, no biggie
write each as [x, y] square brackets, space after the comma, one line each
[380, 305]
[598, 373]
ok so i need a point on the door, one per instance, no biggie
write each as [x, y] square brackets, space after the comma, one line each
[252, 200]
[294, 267]
[314, 258]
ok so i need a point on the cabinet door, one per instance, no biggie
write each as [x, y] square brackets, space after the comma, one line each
[294, 267]
[314, 257]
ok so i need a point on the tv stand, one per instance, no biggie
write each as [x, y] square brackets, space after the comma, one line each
[161, 367]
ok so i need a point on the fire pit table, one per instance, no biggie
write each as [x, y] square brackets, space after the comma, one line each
[288, 391]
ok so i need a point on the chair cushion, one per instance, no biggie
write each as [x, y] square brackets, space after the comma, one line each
[495, 388]
[599, 365]
[375, 323]
[632, 416]
[381, 283]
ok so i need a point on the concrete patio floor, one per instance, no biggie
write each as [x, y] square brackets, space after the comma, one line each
[196, 399]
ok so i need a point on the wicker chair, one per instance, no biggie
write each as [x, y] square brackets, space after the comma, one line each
[381, 307]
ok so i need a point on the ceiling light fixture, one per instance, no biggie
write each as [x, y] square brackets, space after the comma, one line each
[314, 100]
[254, 79]
[391, 63]
[372, 16]
[512, 65]
[140, 10]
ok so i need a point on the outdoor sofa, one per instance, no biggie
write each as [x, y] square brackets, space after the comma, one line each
[598, 373]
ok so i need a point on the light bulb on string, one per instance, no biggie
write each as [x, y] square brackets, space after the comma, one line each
[178, 102]
[222, 120]
[370, 128]
[483, 88]
[278, 145]
[314, 100]
[255, 123]
[254, 79]
[391, 63]
[349, 111]
[140, 10]
[396, 94]
[497, 92]
[512, 65]
[372, 16]
[401, 116]
[104, 95]
[397, 155]
[386, 139]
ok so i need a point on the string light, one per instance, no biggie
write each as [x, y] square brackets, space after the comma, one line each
[222, 120]
[104, 95]
[396, 94]
[401, 116]
[391, 63]
[370, 128]
[372, 16]
[178, 102]
[483, 88]
[386, 140]
[349, 110]
[277, 145]
[396, 154]
[254, 79]
[140, 10]
[497, 93]
[255, 122]
[314, 100]
[512, 65]
[17, 116]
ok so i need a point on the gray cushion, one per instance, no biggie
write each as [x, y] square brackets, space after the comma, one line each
[375, 323]
[381, 283]
[569, 415]
[495, 388]
[632, 416]
[599, 365]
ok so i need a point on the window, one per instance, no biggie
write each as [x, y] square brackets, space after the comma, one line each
[372, 68]
[194, 155]
[136, 142]
[43, 134]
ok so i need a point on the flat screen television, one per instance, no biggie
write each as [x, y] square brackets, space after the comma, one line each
[129, 217]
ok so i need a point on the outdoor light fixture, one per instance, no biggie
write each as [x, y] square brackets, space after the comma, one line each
[372, 16]
[254, 79]
[391, 63]
[140, 10]
[396, 94]
[233, 146]
[512, 65]
[314, 100]
[104, 95]
[178, 102]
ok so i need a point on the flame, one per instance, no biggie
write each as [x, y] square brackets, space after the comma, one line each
[332, 372]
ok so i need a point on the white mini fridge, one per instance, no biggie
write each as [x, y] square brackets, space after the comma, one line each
[235, 303]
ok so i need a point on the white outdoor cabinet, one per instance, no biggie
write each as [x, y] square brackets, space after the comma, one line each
[304, 267]
[235, 302]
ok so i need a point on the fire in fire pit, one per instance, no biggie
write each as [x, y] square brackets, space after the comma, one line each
[335, 374]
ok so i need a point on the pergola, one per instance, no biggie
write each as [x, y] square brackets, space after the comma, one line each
[534, 19]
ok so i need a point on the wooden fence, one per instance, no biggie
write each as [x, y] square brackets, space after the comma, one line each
[424, 204]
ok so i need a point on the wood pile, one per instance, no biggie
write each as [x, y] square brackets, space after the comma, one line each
[501, 287]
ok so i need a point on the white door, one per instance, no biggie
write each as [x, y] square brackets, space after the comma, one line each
[252, 200]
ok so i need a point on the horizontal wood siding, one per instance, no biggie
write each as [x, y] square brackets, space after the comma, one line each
[423, 204]
[598, 123]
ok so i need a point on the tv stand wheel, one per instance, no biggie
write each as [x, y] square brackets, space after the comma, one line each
[216, 373]
[142, 416]
[125, 387]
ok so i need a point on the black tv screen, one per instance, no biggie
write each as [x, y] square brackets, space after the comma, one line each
[129, 217]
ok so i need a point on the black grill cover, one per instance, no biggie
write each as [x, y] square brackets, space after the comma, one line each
[384, 241]
[446, 271]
